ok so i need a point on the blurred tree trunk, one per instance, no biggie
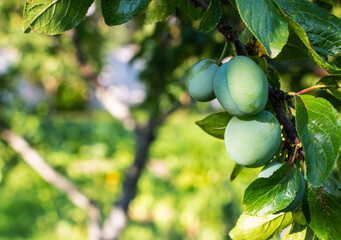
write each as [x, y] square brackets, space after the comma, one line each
[118, 217]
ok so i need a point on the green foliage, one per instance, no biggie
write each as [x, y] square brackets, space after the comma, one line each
[260, 227]
[333, 84]
[323, 37]
[266, 23]
[324, 208]
[235, 172]
[54, 17]
[215, 124]
[270, 195]
[211, 17]
[296, 232]
[286, 30]
[319, 128]
[189, 10]
[159, 10]
[116, 12]
[312, 33]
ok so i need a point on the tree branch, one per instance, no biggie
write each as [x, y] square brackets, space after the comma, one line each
[224, 28]
[51, 176]
[276, 96]
[117, 219]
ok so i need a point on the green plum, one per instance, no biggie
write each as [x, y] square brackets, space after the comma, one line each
[269, 169]
[241, 87]
[254, 140]
[200, 80]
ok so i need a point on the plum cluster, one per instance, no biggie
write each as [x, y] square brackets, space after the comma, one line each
[253, 135]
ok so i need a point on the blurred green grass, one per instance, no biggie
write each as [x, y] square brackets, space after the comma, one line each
[184, 193]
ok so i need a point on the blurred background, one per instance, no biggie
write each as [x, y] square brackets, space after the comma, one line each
[99, 102]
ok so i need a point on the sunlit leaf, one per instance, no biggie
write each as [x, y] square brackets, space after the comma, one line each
[266, 23]
[159, 10]
[296, 232]
[53, 17]
[260, 228]
[272, 194]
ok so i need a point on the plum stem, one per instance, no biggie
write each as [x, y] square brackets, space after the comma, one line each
[309, 89]
[223, 53]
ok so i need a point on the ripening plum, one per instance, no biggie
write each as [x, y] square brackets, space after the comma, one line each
[254, 140]
[200, 80]
[241, 87]
[268, 170]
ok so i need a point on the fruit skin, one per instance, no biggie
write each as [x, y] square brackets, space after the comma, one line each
[241, 87]
[254, 140]
[200, 80]
[268, 170]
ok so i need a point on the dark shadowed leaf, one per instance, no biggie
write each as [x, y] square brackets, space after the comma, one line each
[320, 32]
[332, 84]
[215, 124]
[266, 23]
[53, 17]
[332, 2]
[260, 228]
[319, 129]
[273, 77]
[116, 12]
[293, 50]
[270, 195]
[188, 9]
[211, 17]
[325, 208]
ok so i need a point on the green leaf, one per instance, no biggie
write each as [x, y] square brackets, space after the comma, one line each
[116, 12]
[296, 232]
[315, 237]
[273, 77]
[272, 194]
[325, 208]
[266, 23]
[53, 17]
[323, 30]
[260, 228]
[215, 124]
[332, 84]
[319, 129]
[293, 50]
[188, 9]
[211, 17]
[320, 32]
[233, 3]
[235, 172]
[159, 10]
